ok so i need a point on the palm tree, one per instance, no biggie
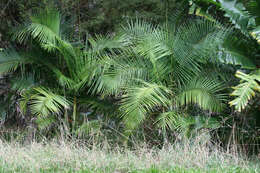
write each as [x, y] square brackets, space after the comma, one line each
[61, 72]
[144, 70]
[166, 68]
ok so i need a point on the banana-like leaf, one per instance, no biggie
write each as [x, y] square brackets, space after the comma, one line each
[235, 57]
[238, 15]
[244, 16]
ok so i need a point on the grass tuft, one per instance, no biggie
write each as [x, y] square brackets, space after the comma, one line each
[76, 157]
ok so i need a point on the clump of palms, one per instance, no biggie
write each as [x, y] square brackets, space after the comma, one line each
[144, 70]
[167, 68]
[59, 71]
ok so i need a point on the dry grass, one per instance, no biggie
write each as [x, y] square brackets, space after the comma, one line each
[75, 157]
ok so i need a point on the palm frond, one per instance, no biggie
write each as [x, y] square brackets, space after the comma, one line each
[200, 38]
[167, 120]
[138, 101]
[101, 43]
[44, 27]
[139, 29]
[206, 93]
[43, 102]
[245, 90]
[118, 71]
[10, 60]
[23, 83]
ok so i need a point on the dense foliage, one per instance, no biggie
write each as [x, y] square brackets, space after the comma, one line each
[147, 70]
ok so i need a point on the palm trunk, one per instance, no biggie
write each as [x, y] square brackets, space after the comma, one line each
[74, 113]
[66, 125]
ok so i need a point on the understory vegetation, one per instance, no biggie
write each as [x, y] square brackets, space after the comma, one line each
[133, 86]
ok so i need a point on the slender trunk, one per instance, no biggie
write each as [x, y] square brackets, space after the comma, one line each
[66, 117]
[74, 113]
[65, 123]
[232, 139]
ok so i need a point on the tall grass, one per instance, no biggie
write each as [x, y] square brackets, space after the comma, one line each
[77, 157]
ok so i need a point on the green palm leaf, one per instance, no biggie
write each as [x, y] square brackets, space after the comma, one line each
[101, 43]
[245, 90]
[206, 93]
[10, 60]
[43, 102]
[44, 27]
[167, 120]
[139, 101]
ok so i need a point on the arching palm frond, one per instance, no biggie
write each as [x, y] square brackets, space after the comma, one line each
[10, 60]
[100, 43]
[119, 71]
[43, 102]
[213, 43]
[139, 101]
[206, 93]
[159, 45]
[200, 39]
[245, 90]
[167, 120]
[23, 83]
[137, 29]
[44, 26]
[154, 48]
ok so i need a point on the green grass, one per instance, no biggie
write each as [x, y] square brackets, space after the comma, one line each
[75, 157]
